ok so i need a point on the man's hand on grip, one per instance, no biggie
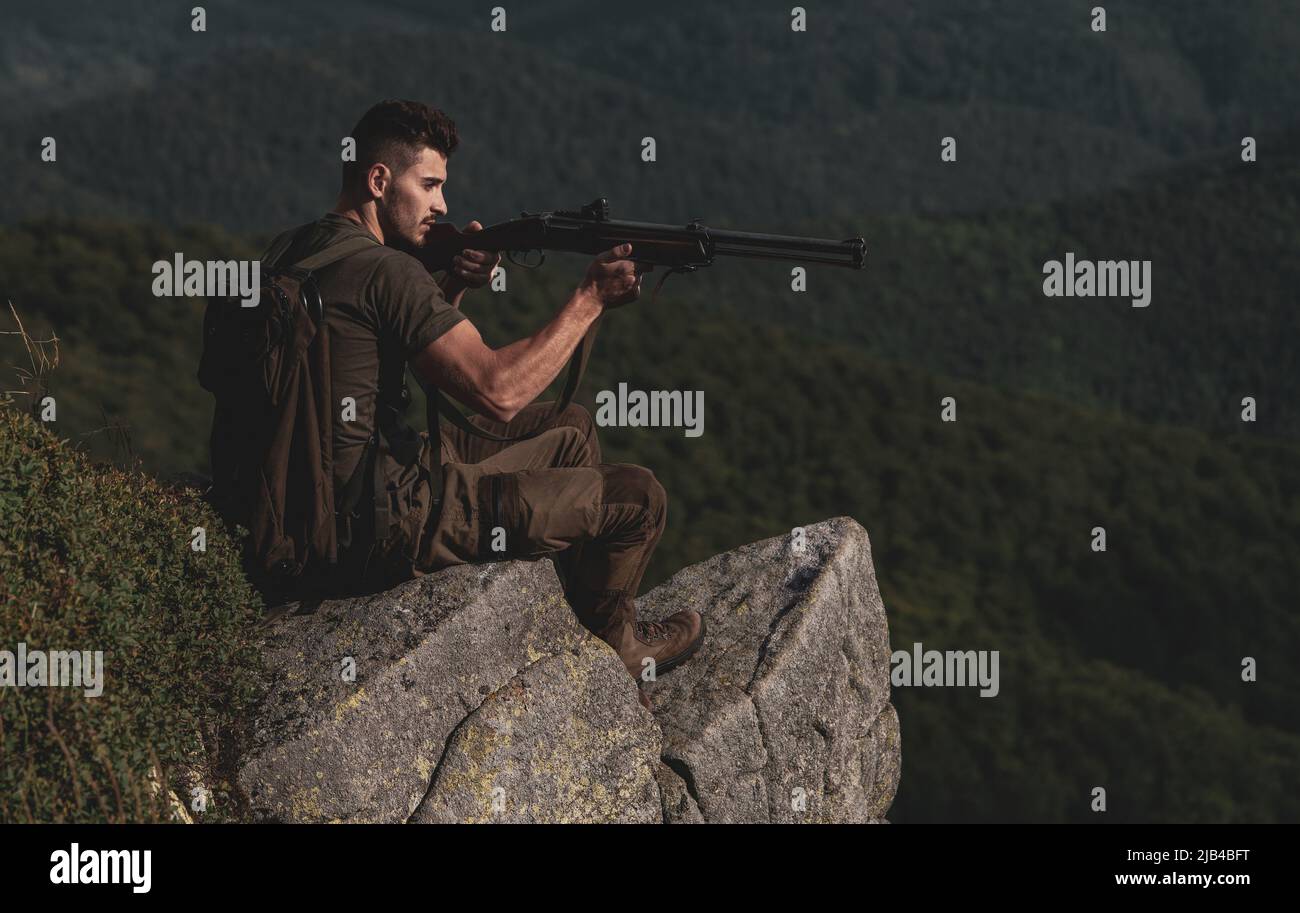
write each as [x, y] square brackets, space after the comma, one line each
[613, 278]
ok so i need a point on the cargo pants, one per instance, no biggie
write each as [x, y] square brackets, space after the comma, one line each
[551, 495]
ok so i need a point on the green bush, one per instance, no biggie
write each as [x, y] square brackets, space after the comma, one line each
[96, 558]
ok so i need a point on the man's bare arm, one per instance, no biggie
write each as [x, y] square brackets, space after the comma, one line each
[497, 383]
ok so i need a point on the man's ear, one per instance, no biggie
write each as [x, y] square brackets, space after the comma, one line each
[378, 179]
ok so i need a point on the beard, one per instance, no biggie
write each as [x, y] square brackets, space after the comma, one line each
[406, 234]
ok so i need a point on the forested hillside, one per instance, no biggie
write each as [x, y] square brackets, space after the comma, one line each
[756, 125]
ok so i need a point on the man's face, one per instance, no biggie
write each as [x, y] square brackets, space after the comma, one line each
[412, 200]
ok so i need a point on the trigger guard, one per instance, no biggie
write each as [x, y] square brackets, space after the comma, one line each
[510, 255]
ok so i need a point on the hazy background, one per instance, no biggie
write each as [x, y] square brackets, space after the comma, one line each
[1120, 669]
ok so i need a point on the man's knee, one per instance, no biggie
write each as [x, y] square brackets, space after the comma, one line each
[625, 483]
[576, 416]
[572, 448]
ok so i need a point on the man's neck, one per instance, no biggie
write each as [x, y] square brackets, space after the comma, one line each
[363, 214]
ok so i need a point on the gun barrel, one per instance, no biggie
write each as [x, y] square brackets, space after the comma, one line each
[688, 246]
[851, 252]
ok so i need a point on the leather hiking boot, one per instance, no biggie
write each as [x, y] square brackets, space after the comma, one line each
[669, 642]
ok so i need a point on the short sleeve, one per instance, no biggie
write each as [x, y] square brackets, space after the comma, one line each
[410, 305]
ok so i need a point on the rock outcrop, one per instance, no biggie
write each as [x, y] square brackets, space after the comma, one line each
[565, 741]
[474, 695]
[784, 714]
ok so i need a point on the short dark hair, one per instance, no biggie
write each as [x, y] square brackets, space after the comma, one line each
[393, 132]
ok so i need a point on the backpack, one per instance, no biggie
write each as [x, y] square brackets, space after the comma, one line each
[272, 429]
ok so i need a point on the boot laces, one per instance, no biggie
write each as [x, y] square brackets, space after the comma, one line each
[652, 630]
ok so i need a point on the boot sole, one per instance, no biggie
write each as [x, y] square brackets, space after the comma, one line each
[673, 662]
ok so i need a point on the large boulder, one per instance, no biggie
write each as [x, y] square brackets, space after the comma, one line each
[565, 741]
[463, 656]
[784, 714]
[473, 695]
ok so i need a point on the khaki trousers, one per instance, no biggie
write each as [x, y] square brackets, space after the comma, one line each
[551, 495]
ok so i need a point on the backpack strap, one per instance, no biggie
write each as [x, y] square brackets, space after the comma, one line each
[334, 253]
[578, 365]
[347, 499]
[280, 244]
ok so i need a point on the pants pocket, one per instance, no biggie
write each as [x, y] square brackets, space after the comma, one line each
[536, 512]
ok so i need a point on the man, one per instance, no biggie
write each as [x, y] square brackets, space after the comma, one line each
[548, 495]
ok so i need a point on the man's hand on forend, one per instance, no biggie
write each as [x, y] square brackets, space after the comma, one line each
[473, 268]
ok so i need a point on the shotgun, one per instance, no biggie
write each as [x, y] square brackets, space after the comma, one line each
[590, 230]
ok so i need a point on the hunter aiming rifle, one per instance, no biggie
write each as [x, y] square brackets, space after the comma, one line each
[591, 231]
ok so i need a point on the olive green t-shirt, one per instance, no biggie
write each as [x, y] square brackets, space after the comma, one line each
[381, 308]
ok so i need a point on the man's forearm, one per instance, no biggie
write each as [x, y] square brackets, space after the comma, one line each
[525, 368]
